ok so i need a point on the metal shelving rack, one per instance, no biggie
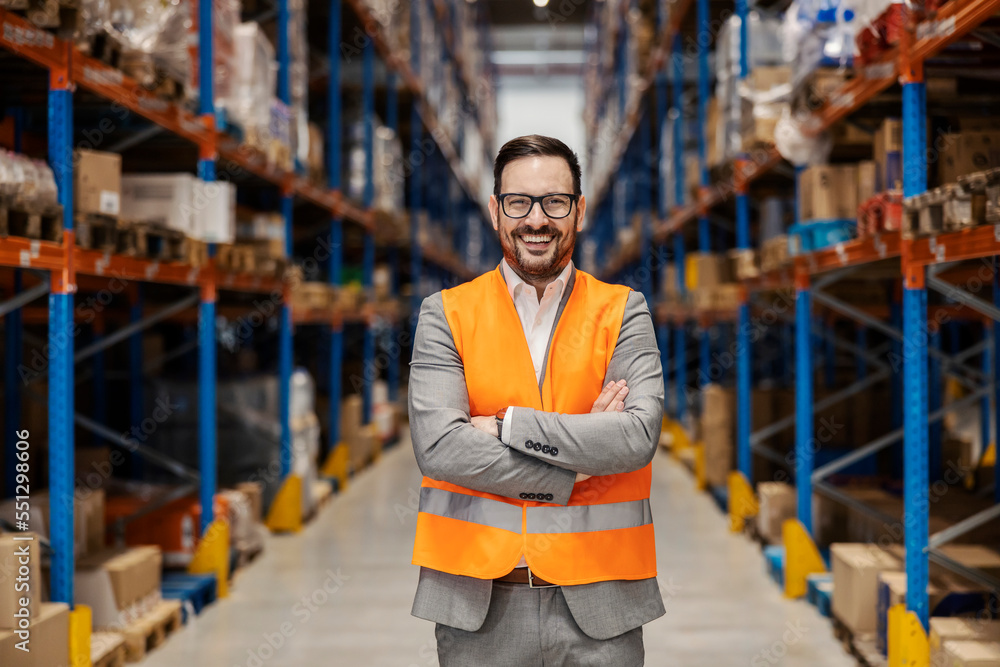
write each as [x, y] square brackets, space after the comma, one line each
[923, 264]
[64, 265]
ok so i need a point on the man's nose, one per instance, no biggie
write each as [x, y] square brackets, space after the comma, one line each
[536, 216]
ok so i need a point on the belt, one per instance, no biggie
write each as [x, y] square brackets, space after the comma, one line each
[524, 575]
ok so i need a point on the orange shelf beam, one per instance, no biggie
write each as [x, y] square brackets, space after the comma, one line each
[851, 253]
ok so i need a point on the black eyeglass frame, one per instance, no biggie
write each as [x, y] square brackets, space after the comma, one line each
[573, 199]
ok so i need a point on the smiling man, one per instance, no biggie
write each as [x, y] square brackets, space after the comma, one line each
[536, 396]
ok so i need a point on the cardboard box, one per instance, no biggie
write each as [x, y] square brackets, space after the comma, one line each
[116, 583]
[971, 654]
[828, 192]
[855, 583]
[718, 443]
[777, 504]
[966, 152]
[97, 182]
[888, 153]
[867, 177]
[90, 502]
[944, 629]
[706, 270]
[48, 642]
[254, 492]
[15, 589]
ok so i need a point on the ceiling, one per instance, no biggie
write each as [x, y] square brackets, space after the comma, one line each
[523, 12]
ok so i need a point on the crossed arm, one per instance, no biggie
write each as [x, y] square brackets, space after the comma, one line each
[449, 447]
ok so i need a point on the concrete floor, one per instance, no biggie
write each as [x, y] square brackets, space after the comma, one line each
[339, 593]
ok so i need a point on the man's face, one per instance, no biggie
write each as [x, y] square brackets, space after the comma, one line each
[537, 247]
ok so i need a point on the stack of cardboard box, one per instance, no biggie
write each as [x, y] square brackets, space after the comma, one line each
[717, 426]
[119, 586]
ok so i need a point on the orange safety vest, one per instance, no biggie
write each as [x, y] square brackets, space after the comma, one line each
[605, 532]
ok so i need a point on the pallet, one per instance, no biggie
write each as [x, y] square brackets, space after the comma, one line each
[142, 239]
[197, 253]
[152, 629]
[198, 589]
[43, 223]
[107, 649]
[97, 232]
[860, 647]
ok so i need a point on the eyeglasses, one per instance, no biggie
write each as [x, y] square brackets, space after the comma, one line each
[554, 206]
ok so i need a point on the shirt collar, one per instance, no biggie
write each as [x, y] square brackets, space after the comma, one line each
[516, 284]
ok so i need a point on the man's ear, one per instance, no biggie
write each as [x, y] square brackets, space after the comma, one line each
[494, 207]
[581, 211]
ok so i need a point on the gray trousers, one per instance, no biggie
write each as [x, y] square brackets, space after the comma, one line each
[533, 627]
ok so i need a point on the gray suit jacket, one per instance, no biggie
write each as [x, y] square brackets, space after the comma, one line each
[448, 448]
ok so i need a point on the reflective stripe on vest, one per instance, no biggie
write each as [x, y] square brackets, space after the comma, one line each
[545, 520]
[588, 518]
[484, 511]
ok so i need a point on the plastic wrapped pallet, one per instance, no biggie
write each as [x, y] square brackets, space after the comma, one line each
[25, 180]
[157, 29]
[254, 84]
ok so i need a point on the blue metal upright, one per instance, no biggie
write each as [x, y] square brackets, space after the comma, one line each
[934, 462]
[704, 232]
[680, 337]
[333, 162]
[704, 39]
[61, 368]
[803, 404]
[285, 350]
[207, 455]
[744, 359]
[11, 390]
[368, 267]
[996, 380]
[394, 353]
[915, 408]
[645, 197]
[803, 387]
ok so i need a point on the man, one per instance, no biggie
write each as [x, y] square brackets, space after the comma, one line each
[536, 398]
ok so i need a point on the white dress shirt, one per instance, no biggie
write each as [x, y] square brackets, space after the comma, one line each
[537, 320]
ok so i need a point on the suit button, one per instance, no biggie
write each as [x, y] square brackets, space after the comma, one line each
[554, 451]
[545, 449]
[548, 496]
[538, 446]
[531, 496]
[524, 496]
[528, 444]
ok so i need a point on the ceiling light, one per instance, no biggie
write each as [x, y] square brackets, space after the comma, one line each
[541, 3]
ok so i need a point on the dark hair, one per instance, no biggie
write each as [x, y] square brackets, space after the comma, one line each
[535, 145]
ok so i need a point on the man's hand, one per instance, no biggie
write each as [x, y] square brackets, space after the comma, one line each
[486, 425]
[612, 398]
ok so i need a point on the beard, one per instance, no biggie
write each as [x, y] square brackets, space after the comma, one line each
[532, 266]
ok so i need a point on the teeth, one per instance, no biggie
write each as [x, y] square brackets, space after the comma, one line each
[536, 239]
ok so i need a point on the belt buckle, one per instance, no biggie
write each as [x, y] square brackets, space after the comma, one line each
[531, 581]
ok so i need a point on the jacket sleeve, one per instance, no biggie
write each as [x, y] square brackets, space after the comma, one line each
[447, 446]
[606, 443]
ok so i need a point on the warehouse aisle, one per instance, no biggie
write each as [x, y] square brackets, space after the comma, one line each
[339, 593]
